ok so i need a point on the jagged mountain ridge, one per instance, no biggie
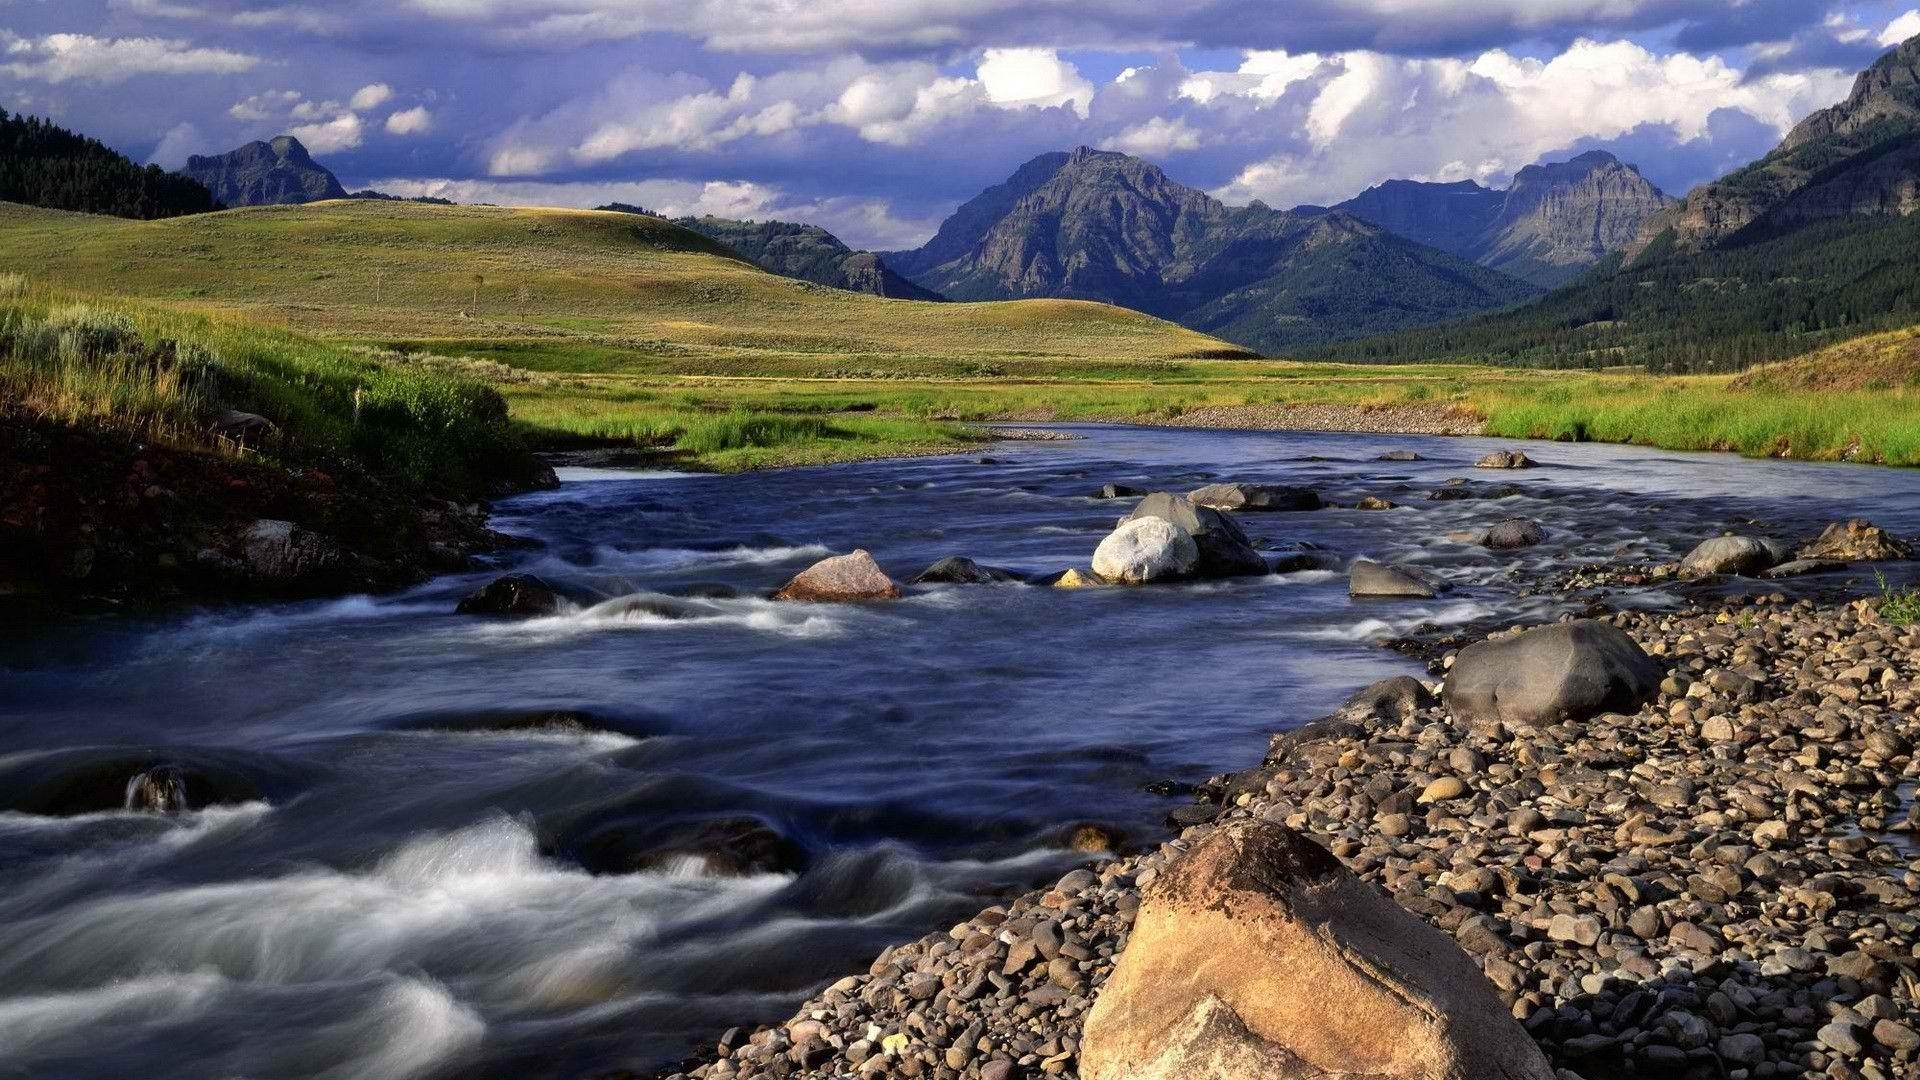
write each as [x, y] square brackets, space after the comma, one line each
[1860, 157]
[1100, 225]
[1550, 225]
[809, 253]
[276, 173]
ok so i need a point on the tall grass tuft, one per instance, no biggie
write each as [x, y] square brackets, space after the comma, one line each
[1900, 607]
[167, 376]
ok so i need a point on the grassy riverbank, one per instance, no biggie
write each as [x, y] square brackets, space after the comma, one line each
[611, 329]
[141, 447]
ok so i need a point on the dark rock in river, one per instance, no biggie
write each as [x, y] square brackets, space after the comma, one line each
[161, 790]
[1739, 555]
[960, 570]
[1225, 550]
[87, 781]
[1399, 455]
[521, 595]
[1245, 497]
[723, 847]
[1371, 579]
[1505, 459]
[841, 579]
[1259, 956]
[1467, 493]
[1514, 533]
[1856, 541]
[1568, 671]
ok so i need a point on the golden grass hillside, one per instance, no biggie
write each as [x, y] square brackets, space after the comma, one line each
[567, 290]
[1877, 362]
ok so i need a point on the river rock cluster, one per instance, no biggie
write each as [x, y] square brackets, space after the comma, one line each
[1716, 879]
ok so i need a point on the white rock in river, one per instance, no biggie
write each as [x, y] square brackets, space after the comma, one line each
[1145, 550]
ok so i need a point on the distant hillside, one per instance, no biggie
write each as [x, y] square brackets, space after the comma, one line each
[806, 252]
[1550, 225]
[1809, 246]
[1858, 158]
[567, 290]
[277, 173]
[1104, 226]
[1878, 362]
[45, 165]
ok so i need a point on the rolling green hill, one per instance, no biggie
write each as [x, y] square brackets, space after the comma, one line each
[568, 290]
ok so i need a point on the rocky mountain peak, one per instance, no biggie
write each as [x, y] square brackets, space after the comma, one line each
[275, 172]
[1101, 225]
[1555, 219]
[1860, 157]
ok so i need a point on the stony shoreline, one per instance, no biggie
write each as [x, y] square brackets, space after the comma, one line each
[1722, 884]
[1360, 419]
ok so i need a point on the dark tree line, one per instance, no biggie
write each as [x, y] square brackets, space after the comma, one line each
[1741, 304]
[42, 164]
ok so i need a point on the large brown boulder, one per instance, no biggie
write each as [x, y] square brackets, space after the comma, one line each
[1259, 957]
[1856, 541]
[1567, 671]
[842, 579]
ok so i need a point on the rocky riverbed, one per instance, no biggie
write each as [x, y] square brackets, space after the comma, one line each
[1720, 884]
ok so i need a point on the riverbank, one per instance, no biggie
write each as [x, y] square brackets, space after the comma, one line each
[1721, 884]
[732, 425]
[148, 457]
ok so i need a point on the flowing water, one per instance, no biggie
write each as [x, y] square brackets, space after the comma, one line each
[398, 884]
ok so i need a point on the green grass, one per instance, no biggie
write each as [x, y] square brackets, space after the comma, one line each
[611, 328]
[1900, 607]
[159, 374]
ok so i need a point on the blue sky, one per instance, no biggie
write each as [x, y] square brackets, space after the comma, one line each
[875, 117]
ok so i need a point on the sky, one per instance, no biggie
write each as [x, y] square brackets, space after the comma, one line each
[875, 118]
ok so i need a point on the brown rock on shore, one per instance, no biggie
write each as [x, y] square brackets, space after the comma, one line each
[1260, 956]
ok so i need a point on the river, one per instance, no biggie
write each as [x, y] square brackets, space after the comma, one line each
[399, 886]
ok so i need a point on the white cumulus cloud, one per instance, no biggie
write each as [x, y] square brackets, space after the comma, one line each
[368, 98]
[1901, 29]
[415, 121]
[1022, 78]
[343, 132]
[59, 58]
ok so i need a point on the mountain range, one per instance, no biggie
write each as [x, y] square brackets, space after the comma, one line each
[1099, 225]
[1809, 245]
[265, 173]
[1549, 226]
[810, 253]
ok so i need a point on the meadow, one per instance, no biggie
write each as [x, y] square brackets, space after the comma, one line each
[601, 329]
